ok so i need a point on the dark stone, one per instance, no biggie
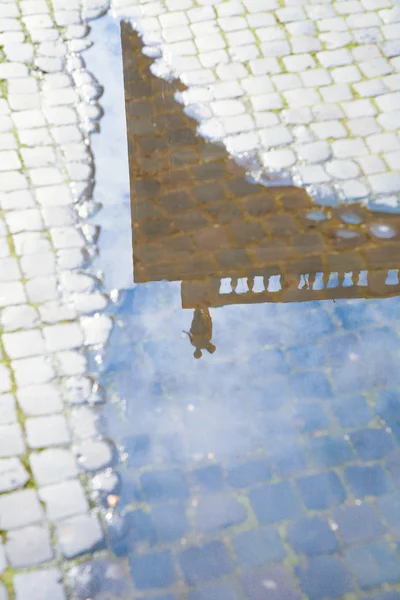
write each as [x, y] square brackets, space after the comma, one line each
[153, 570]
[324, 577]
[277, 502]
[366, 481]
[159, 486]
[311, 417]
[210, 561]
[358, 523]
[138, 448]
[218, 511]
[272, 582]
[241, 187]
[322, 490]
[374, 565]
[312, 536]
[390, 509]
[176, 201]
[210, 170]
[372, 444]
[182, 137]
[169, 521]
[218, 591]
[209, 192]
[351, 411]
[258, 546]
[329, 451]
[210, 478]
[249, 473]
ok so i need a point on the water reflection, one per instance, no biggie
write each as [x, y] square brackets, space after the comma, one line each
[270, 469]
[196, 218]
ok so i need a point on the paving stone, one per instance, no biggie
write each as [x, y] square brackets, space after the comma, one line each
[324, 577]
[203, 563]
[95, 455]
[11, 440]
[312, 536]
[218, 512]
[366, 480]
[20, 509]
[275, 502]
[12, 474]
[64, 499]
[8, 412]
[29, 547]
[389, 508]
[53, 466]
[209, 479]
[372, 444]
[272, 581]
[329, 451]
[164, 485]
[99, 578]
[169, 522]
[79, 535]
[42, 432]
[249, 473]
[322, 490]
[23, 344]
[63, 337]
[258, 546]
[39, 585]
[374, 565]
[30, 371]
[358, 524]
[3, 592]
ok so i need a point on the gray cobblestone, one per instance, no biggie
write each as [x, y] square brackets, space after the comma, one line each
[8, 412]
[23, 344]
[39, 400]
[30, 371]
[65, 499]
[12, 476]
[39, 585]
[11, 441]
[19, 509]
[43, 432]
[53, 466]
[29, 547]
[79, 535]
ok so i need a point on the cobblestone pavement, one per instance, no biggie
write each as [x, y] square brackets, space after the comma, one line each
[311, 88]
[330, 102]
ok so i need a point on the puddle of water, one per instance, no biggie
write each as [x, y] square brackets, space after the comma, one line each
[104, 60]
[268, 468]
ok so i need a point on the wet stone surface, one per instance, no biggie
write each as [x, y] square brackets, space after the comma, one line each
[269, 469]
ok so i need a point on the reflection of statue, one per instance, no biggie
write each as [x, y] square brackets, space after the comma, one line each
[201, 332]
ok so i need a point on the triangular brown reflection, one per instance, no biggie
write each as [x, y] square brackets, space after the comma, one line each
[196, 219]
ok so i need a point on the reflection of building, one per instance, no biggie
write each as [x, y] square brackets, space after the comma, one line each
[196, 219]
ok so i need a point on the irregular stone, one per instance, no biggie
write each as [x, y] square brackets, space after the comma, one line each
[64, 499]
[94, 455]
